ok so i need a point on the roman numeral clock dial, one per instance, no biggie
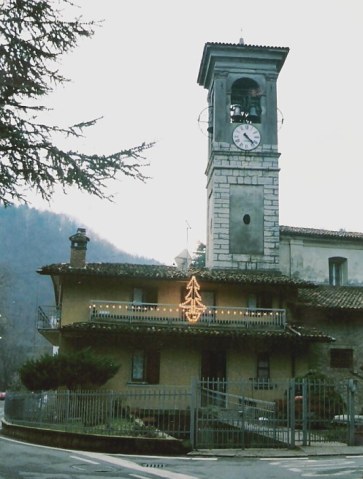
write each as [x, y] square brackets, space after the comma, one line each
[246, 137]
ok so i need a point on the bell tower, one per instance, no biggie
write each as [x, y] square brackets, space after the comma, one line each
[242, 170]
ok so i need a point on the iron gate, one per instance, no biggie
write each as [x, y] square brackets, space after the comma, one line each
[286, 413]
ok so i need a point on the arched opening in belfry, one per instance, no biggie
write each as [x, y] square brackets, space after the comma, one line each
[245, 101]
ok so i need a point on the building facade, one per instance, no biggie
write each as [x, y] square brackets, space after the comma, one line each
[272, 302]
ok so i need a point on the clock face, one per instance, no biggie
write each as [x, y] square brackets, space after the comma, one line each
[246, 136]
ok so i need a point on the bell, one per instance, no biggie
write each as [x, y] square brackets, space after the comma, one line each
[236, 115]
[237, 110]
[252, 115]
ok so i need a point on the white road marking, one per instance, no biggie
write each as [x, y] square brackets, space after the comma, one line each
[339, 464]
[34, 445]
[277, 460]
[328, 474]
[307, 467]
[84, 460]
[136, 467]
[201, 458]
[168, 458]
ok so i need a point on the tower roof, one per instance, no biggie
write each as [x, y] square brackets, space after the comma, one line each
[215, 56]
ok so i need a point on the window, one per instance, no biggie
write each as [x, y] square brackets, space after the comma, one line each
[262, 380]
[337, 271]
[146, 367]
[263, 366]
[341, 358]
[260, 300]
[208, 299]
[213, 365]
[145, 295]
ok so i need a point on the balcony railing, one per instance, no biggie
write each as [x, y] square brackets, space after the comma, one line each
[172, 314]
[48, 317]
[169, 314]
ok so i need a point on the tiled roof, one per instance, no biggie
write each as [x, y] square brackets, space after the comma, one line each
[243, 45]
[161, 272]
[320, 233]
[212, 50]
[329, 297]
[293, 333]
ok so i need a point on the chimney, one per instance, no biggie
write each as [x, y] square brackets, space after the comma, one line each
[78, 248]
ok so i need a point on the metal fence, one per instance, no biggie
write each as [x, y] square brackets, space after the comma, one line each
[284, 413]
[139, 412]
[209, 414]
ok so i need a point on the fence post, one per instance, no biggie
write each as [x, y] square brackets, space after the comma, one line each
[291, 411]
[193, 402]
[243, 425]
[66, 405]
[304, 418]
[110, 403]
[351, 389]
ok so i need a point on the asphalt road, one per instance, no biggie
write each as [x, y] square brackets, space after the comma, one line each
[26, 461]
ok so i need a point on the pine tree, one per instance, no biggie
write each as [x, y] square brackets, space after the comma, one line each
[198, 260]
[33, 37]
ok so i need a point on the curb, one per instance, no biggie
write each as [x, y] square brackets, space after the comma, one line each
[94, 442]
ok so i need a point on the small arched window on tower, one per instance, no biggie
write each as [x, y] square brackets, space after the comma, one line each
[245, 101]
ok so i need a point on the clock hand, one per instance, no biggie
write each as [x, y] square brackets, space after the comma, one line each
[248, 138]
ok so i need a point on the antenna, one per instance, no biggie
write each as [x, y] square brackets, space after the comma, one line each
[188, 228]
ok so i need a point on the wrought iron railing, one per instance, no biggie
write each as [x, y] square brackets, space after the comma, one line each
[169, 314]
[172, 314]
[48, 317]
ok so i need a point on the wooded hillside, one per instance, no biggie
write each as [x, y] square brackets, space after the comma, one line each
[29, 239]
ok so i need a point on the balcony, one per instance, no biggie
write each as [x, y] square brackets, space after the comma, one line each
[48, 317]
[173, 315]
[170, 315]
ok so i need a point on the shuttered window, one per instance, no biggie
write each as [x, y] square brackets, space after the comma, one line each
[146, 367]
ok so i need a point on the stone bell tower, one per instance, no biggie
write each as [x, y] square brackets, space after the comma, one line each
[242, 170]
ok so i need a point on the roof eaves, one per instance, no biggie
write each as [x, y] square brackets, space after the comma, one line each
[320, 233]
[162, 272]
[296, 333]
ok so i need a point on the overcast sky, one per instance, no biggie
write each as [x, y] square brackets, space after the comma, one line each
[139, 73]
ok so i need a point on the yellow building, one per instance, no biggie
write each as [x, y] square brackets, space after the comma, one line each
[135, 314]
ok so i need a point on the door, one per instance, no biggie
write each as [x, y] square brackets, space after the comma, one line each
[213, 374]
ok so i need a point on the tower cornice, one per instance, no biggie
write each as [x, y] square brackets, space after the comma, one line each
[216, 57]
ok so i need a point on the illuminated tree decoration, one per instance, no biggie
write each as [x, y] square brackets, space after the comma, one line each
[193, 305]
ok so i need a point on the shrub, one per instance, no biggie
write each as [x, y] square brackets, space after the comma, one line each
[81, 369]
